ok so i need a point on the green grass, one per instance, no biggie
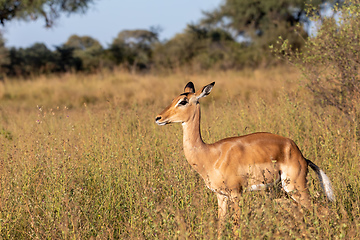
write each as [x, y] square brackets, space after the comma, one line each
[105, 170]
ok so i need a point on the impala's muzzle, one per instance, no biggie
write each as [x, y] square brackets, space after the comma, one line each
[158, 121]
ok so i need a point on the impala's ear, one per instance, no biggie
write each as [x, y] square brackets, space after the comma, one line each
[205, 91]
[189, 87]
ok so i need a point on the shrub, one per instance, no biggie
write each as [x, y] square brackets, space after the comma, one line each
[330, 59]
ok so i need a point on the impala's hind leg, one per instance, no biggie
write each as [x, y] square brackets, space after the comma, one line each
[295, 185]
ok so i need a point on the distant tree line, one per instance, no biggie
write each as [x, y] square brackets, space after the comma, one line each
[235, 35]
[131, 49]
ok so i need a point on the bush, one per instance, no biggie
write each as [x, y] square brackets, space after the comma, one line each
[330, 60]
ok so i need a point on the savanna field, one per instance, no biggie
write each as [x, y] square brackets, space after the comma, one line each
[82, 158]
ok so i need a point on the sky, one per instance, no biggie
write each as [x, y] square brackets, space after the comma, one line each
[106, 18]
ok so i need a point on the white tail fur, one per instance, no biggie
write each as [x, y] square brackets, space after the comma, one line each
[324, 181]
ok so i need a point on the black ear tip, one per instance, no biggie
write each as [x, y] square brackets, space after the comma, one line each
[212, 84]
[191, 86]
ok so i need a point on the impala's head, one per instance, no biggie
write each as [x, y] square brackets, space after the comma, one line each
[184, 106]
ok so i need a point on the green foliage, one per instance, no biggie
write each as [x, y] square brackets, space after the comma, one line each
[260, 22]
[6, 134]
[35, 59]
[330, 61]
[87, 49]
[199, 48]
[4, 54]
[38, 56]
[134, 48]
[38, 59]
[47, 9]
[66, 61]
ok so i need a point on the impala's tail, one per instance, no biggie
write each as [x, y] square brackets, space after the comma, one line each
[324, 180]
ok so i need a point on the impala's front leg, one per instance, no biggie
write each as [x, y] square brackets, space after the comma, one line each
[222, 208]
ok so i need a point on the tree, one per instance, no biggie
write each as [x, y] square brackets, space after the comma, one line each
[134, 47]
[4, 54]
[86, 48]
[199, 48]
[33, 9]
[261, 22]
[66, 61]
[39, 59]
[83, 43]
[35, 59]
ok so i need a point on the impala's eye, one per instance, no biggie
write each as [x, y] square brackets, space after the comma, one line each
[182, 103]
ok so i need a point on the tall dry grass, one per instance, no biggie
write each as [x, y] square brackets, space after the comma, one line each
[81, 158]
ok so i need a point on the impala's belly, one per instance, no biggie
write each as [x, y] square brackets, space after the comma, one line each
[245, 177]
[261, 177]
[259, 174]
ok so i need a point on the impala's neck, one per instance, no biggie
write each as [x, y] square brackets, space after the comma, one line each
[194, 147]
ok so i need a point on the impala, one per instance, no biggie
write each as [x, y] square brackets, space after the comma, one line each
[245, 163]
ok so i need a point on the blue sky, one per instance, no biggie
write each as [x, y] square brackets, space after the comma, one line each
[106, 18]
